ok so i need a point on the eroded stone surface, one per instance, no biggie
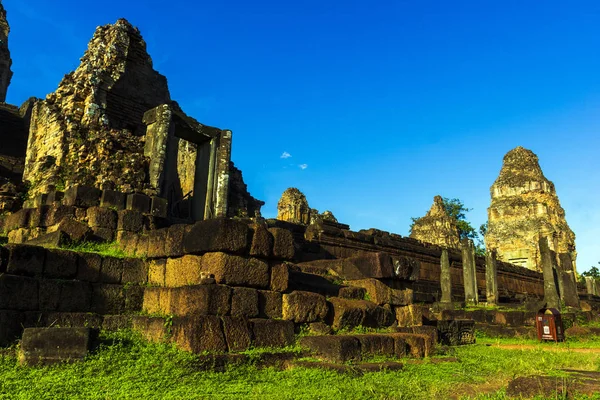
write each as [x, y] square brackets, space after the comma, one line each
[293, 207]
[5, 61]
[437, 227]
[524, 207]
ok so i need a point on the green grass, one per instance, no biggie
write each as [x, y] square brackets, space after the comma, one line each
[125, 367]
[110, 249]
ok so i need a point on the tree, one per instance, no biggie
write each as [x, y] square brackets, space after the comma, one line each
[593, 272]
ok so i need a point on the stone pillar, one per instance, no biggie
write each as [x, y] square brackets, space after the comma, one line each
[159, 129]
[569, 284]
[222, 173]
[5, 61]
[491, 277]
[469, 276]
[550, 290]
[445, 279]
[590, 286]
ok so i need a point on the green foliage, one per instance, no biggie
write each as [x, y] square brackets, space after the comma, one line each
[126, 367]
[104, 249]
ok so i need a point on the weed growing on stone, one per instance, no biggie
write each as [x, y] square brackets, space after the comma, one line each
[110, 249]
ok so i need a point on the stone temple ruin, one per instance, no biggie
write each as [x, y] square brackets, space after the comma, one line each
[110, 157]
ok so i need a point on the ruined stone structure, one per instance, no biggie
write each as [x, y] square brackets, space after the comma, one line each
[293, 207]
[5, 60]
[525, 207]
[437, 227]
[113, 120]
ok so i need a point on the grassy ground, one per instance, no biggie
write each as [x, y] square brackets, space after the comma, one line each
[125, 367]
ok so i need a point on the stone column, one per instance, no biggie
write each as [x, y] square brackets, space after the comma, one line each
[491, 277]
[469, 277]
[222, 174]
[567, 277]
[159, 128]
[550, 291]
[445, 279]
[590, 286]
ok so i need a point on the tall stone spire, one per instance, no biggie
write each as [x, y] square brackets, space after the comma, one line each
[437, 227]
[5, 61]
[525, 207]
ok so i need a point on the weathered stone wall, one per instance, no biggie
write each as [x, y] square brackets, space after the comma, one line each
[241, 203]
[293, 207]
[437, 227]
[5, 60]
[525, 207]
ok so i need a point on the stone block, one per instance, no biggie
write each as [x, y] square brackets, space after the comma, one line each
[75, 230]
[53, 240]
[270, 304]
[272, 333]
[103, 234]
[416, 344]
[142, 246]
[376, 345]
[113, 323]
[152, 223]
[183, 271]
[3, 258]
[49, 293]
[283, 243]
[156, 243]
[303, 307]
[60, 264]
[38, 217]
[47, 346]
[159, 207]
[336, 348]
[347, 313]
[198, 334]
[11, 327]
[156, 300]
[153, 329]
[88, 267]
[237, 333]
[188, 300]
[112, 270]
[16, 220]
[456, 332]
[511, 318]
[135, 270]
[236, 271]
[25, 260]
[107, 299]
[138, 202]
[156, 272]
[280, 278]
[379, 293]
[100, 217]
[54, 197]
[379, 316]
[244, 302]
[82, 196]
[217, 235]
[134, 298]
[130, 220]
[112, 199]
[411, 315]
[262, 241]
[57, 212]
[127, 242]
[74, 296]
[174, 240]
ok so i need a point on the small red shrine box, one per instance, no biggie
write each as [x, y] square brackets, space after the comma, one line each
[549, 325]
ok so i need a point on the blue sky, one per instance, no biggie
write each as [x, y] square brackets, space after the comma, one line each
[381, 106]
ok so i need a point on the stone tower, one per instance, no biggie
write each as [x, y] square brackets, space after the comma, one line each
[293, 207]
[437, 227]
[5, 61]
[525, 207]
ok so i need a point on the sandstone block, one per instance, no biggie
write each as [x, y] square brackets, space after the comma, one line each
[112, 270]
[235, 270]
[47, 346]
[25, 260]
[57, 212]
[60, 264]
[411, 315]
[152, 303]
[100, 217]
[262, 241]
[135, 270]
[130, 220]
[127, 242]
[380, 345]
[134, 298]
[103, 234]
[153, 329]
[18, 293]
[347, 313]
[379, 293]
[188, 300]
[283, 243]
[142, 246]
[237, 333]
[11, 327]
[38, 217]
[157, 272]
[217, 235]
[302, 307]
[114, 323]
[244, 302]
[156, 243]
[198, 334]
[272, 333]
[112, 199]
[138, 202]
[82, 196]
[64, 296]
[334, 348]
[159, 207]
[270, 304]
[107, 299]
[75, 230]
[280, 278]
[416, 344]
[174, 240]
[19, 219]
[52, 240]
[183, 271]
[352, 292]
[88, 267]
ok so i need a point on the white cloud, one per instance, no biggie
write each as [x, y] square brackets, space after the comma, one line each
[286, 155]
[303, 166]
